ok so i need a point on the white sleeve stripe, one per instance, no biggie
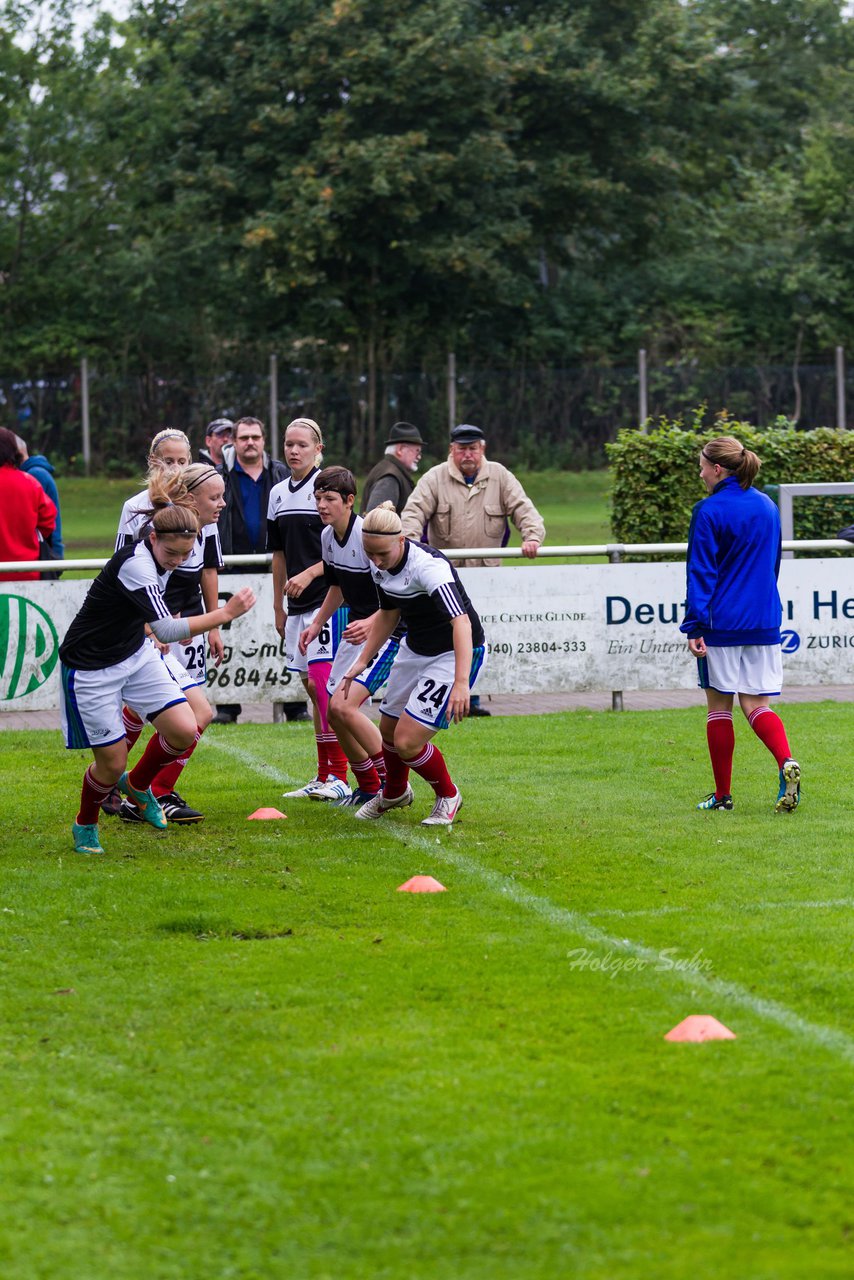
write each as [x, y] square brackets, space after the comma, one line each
[158, 603]
[450, 599]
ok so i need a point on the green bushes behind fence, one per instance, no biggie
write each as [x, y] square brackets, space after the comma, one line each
[655, 477]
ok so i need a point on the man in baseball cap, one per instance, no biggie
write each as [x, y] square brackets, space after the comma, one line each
[392, 478]
[218, 433]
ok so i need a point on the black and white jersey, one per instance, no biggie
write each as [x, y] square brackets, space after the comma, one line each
[127, 593]
[183, 590]
[345, 565]
[426, 588]
[294, 527]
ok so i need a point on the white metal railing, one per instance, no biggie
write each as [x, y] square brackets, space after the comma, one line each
[614, 551]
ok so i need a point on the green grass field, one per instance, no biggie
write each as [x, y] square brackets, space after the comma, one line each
[235, 1051]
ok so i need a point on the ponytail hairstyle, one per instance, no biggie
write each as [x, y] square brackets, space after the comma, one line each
[170, 490]
[731, 454]
[383, 519]
[169, 433]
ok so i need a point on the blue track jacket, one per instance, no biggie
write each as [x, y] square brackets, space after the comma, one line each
[734, 548]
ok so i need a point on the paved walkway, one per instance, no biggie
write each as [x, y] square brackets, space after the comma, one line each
[511, 704]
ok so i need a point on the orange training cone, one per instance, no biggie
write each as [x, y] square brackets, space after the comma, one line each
[421, 884]
[260, 814]
[699, 1027]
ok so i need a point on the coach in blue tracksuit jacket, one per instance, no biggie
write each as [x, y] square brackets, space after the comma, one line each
[733, 613]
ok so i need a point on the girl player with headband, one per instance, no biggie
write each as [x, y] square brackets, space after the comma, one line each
[192, 589]
[347, 573]
[293, 536]
[106, 659]
[437, 664]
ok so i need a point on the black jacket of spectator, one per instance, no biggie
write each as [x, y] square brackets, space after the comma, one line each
[232, 525]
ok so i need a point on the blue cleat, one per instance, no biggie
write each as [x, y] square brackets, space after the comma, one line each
[712, 802]
[86, 839]
[789, 795]
[145, 802]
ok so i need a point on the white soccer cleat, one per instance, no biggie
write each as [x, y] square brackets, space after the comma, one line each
[376, 807]
[444, 811]
[304, 792]
[333, 789]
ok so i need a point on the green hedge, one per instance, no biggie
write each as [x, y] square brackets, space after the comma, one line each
[655, 477]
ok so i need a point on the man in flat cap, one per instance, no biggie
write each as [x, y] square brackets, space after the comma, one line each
[218, 435]
[392, 479]
[468, 502]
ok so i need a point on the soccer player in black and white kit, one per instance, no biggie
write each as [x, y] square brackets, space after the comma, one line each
[347, 573]
[193, 588]
[293, 536]
[437, 664]
[107, 660]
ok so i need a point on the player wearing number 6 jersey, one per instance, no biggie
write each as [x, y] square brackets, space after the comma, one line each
[347, 572]
[106, 659]
[436, 666]
[293, 536]
[192, 589]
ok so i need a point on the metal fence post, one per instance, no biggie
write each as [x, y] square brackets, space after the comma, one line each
[84, 414]
[643, 408]
[615, 557]
[452, 390]
[274, 407]
[840, 388]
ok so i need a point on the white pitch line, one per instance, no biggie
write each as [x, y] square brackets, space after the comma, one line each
[741, 908]
[573, 922]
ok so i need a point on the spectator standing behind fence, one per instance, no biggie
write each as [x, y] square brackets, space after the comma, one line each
[392, 479]
[26, 512]
[219, 437]
[40, 469]
[468, 502]
[249, 474]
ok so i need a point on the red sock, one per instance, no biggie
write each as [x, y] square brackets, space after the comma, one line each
[379, 764]
[430, 765]
[367, 778]
[91, 795]
[396, 773]
[167, 779]
[133, 726]
[336, 761]
[769, 729]
[322, 767]
[158, 753]
[721, 738]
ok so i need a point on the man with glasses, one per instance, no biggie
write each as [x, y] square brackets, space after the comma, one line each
[469, 501]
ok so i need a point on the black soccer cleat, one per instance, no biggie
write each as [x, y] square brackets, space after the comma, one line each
[177, 809]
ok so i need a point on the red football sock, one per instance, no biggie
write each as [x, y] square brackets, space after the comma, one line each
[379, 764]
[322, 767]
[167, 779]
[769, 729]
[367, 778]
[396, 771]
[430, 765]
[133, 726]
[158, 753]
[91, 795]
[721, 738]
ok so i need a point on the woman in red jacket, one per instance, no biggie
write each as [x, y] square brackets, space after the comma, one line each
[25, 511]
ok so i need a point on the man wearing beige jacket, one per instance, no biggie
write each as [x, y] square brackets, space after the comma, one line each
[467, 502]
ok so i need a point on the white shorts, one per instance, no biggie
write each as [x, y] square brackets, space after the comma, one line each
[742, 668]
[91, 701]
[321, 649]
[420, 685]
[190, 657]
[373, 677]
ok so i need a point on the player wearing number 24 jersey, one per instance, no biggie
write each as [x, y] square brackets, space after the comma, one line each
[437, 664]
